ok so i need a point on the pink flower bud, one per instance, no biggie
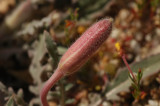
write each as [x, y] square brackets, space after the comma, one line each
[79, 53]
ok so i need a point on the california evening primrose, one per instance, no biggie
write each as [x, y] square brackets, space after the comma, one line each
[79, 53]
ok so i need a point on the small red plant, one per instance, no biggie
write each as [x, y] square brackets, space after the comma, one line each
[79, 53]
[135, 79]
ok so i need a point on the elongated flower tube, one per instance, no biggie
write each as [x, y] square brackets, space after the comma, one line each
[79, 53]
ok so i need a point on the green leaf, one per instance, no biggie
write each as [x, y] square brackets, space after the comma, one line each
[52, 48]
[91, 5]
[131, 77]
[36, 69]
[61, 50]
[68, 86]
[10, 102]
[121, 82]
[69, 101]
[135, 86]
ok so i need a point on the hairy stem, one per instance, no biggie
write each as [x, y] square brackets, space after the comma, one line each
[52, 80]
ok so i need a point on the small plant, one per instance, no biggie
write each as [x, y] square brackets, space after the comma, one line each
[79, 53]
[136, 85]
[134, 78]
[70, 24]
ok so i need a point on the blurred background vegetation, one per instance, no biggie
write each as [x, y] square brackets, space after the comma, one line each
[25, 63]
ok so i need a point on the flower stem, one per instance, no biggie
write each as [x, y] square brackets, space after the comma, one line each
[48, 85]
[62, 90]
[126, 63]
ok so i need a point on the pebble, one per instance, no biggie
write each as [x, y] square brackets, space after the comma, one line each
[115, 33]
[153, 103]
[135, 45]
[106, 104]
[94, 99]
[158, 31]
[139, 36]
[114, 61]
[148, 37]
[123, 15]
[84, 102]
